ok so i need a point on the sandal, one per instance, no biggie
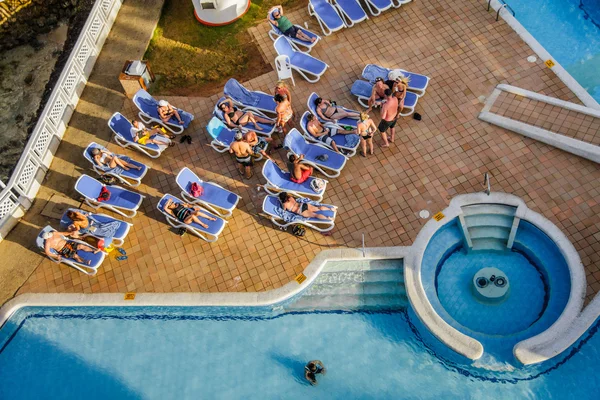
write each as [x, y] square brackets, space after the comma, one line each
[183, 139]
[121, 258]
[122, 251]
[171, 144]
[189, 139]
[362, 153]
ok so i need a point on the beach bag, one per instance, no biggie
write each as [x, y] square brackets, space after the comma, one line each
[318, 185]
[196, 190]
[299, 230]
[104, 194]
[108, 179]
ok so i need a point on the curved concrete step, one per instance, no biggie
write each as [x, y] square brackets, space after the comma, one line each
[492, 232]
[477, 220]
[489, 209]
[489, 244]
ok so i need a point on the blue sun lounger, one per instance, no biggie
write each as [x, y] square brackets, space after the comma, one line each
[310, 103]
[122, 130]
[122, 201]
[267, 129]
[222, 136]
[351, 12]
[297, 144]
[117, 239]
[252, 100]
[95, 259]
[275, 33]
[215, 198]
[362, 90]
[210, 234]
[327, 16]
[131, 177]
[307, 66]
[376, 7]
[341, 141]
[418, 83]
[279, 181]
[148, 107]
[273, 209]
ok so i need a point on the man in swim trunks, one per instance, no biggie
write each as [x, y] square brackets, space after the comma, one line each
[319, 132]
[378, 93]
[389, 113]
[166, 112]
[299, 172]
[282, 23]
[258, 144]
[312, 369]
[243, 155]
[57, 246]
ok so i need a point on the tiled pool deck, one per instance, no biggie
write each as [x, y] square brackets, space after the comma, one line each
[466, 54]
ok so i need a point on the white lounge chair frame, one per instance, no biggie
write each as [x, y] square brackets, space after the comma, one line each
[133, 183]
[95, 204]
[324, 28]
[176, 129]
[376, 11]
[345, 17]
[86, 269]
[324, 226]
[349, 151]
[399, 3]
[274, 190]
[175, 223]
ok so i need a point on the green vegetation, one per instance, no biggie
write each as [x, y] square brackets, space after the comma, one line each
[192, 58]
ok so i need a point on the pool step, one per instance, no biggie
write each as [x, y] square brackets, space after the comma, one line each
[488, 225]
[356, 285]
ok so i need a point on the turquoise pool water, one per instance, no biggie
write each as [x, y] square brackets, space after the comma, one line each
[93, 354]
[570, 31]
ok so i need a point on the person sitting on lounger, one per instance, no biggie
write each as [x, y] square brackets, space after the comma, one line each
[299, 172]
[243, 155]
[329, 111]
[166, 112]
[378, 92]
[312, 369]
[187, 213]
[57, 246]
[235, 118]
[83, 223]
[366, 129]
[304, 209]
[106, 159]
[145, 136]
[258, 144]
[283, 110]
[277, 19]
[319, 132]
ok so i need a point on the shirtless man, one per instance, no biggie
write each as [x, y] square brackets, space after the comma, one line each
[65, 248]
[304, 209]
[166, 112]
[258, 144]
[299, 172]
[389, 113]
[319, 132]
[378, 92]
[243, 155]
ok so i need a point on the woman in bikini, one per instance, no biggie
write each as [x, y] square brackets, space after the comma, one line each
[304, 209]
[187, 213]
[284, 111]
[235, 118]
[366, 129]
[106, 159]
[331, 112]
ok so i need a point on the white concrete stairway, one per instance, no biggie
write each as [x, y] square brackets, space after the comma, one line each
[489, 225]
[356, 285]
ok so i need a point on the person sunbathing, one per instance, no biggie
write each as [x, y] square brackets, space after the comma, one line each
[299, 172]
[304, 209]
[378, 93]
[166, 112]
[57, 246]
[83, 223]
[329, 111]
[258, 144]
[145, 136]
[106, 159]
[319, 132]
[187, 213]
[235, 118]
[277, 19]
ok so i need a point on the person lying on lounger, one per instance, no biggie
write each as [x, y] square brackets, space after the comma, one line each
[277, 19]
[304, 209]
[235, 118]
[106, 159]
[258, 144]
[145, 136]
[319, 132]
[330, 111]
[166, 112]
[187, 213]
[83, 223]
[65, 248]
[378, 92]
[299, 172]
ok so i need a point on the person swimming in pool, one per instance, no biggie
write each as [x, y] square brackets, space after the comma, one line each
[312, 369]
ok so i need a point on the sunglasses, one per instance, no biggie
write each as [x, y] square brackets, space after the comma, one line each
[378, 79]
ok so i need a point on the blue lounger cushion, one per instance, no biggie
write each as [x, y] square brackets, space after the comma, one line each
[122, 127]
[120, 233]
[298, 145]
[266, 128]
[352, 9]
[213, 194]
[298, 59]
[95, 258]
[327, 13]
[119, 197]
[132, 173]
[282, 180]
[363, 89]
[245, 97]
[344, 121]
[272, 206]
[345, 141]
[214, 227]
[149, 106]
[372, 71]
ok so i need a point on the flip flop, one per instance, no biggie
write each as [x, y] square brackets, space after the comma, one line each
[122, 251]
[121, 258]
[189, 139]
[182, 139]
[362, 153]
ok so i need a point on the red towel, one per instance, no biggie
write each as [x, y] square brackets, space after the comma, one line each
[305, 175]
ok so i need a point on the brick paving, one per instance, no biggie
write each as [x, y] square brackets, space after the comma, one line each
[543, 115]
[466, 54]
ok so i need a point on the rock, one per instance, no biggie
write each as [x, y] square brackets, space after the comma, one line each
[28, 81]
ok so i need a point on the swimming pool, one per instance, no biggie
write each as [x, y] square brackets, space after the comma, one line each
[570, 31]
[158, 354]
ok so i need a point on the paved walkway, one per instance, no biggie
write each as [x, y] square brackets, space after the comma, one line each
[466, 54]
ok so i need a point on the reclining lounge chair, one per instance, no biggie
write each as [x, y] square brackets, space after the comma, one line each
[122, 129]
[117, 239]
[251, 100]
[331, 167]
[309, 67]
[310, 103]
[148, 107]
[296, 43]
[121, 201]
[131, 177]
[362, 90]
[279, 181]
[327, 16]
[215, 198]
[345, 143]
[267, 129]
[351, 12]
[273, 209]
[418, 83]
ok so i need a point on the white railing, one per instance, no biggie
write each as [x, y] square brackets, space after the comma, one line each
[18, 194]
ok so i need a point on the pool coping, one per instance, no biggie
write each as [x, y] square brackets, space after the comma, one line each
[538, 348]
[541, 52]
[224, 299]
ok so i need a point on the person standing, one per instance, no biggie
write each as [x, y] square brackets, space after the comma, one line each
[366, 129]
[389, 112]
[243, 155]
[284, 111]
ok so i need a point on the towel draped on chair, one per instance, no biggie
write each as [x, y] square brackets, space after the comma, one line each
[288, 216]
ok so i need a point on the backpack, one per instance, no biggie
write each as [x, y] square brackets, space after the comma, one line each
[196, 190]
[298, 230]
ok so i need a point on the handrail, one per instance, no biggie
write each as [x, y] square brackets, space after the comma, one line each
[504, 4]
